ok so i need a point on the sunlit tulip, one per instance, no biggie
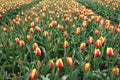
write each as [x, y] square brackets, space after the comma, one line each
[29, 38]
[78, 30]
[97, 53]
[66, 34]
[17, 40]
[4, 29]
[33, 74]
[86, 67]
[109, 51]
[115, 71]
[102, 39]
[82, 46]
[21, 43]
[51, 64]
[38, 52]
[31, 30]
[84, 24]
[69, 61]
[32, 24]
[35, 45]
[46, 33]
[66, 44]
[90, 40]
[96, 32]
[38, 29]
[59, 63]
[98, 43]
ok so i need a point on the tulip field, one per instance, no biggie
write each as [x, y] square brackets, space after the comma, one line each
[59, 40]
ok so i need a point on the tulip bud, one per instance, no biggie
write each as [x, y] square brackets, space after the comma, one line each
[82, 46]
[69, 61]
[32, 24]
[33, 74]
[21, 43]
[86, 67]
[59, 63]
[98, 44]
[96, 32]
[66, 44]
[11, 29]
[109, 51]
[38, 29]
[115, 71]
[66, 34]
[31, 30]
[102, 39]
[78, 31]
[4, 29]
[46, 34]
[35, 45]
[90, 40]
[38, 51]
[84, 24]
[51, 64]
[97, 53]
[17, 40]
[29, 38]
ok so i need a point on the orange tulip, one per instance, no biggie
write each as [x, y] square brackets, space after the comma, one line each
[66, 44]
[96, 32]
[35, 45]
[29, 38]
[31, 30]
[38, 29]
[17, 40]
[32, 24]
[97, 53]
[86, 67]
[78, 31]
[21, 43]
[102, 39]
[69, 61]
[109, 51]
[59, 63]
[84, 24]
[4, 29]
[51, 64]
[11, 29]
[98, 44]
[82, 46]
[38, 51]
[46, 34]
[115, 71]
[33, 74]
[90, 40]
[66, 34]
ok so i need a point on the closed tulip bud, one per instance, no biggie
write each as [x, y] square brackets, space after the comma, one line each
[90, 40]
[11, 29]
[38, 29]
[33, 74]
[37, 20]
[102, 39]
[59, 63]
[82, 46]
[96, 32]
[98, 44]
[69, 61]
[17, 40]
[97, 18]
[73, 27]
[92, 18]
[31, 30]
[66, 34]
[86, 67]
[38, 64]
[115, 71]
[78, 30]
[101, 22]
[51, 64]
[81, 17]
[66, 44]
[35, 45]
[4, 29]
[38, 51]
[32, 24]
[97, 53]
[29, 38]
[21, 43]
[84, 24]
[46, 34]
[109, 51]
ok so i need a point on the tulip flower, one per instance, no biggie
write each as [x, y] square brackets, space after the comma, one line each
[51, 64]
[59, 63]
[17, 40]
[69, 61]
[38, 29]
[98, 44]
[38, 51]
[86, 67]
[31, 30]
[29, 38]
[109, 51]
[32, 24]
[82, 46]
[115, 71]
[66, 44]
[35, 45]
[97, 53]
[78, 30]
[46, 34]
[33, 74]
[21, 43]
[90, 40]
